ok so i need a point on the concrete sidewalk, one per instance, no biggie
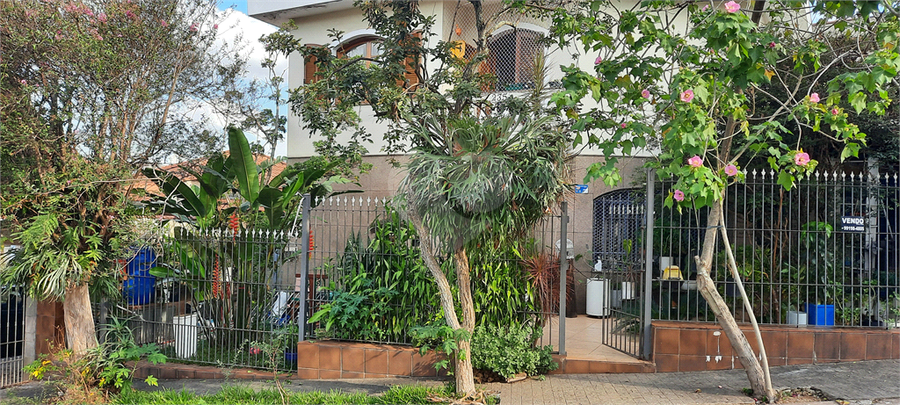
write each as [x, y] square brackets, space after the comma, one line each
[858, 382]
[865, 382]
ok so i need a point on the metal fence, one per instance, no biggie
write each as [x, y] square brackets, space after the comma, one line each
[824, 253]
[12, 334]
[364, 252]
[221, 297]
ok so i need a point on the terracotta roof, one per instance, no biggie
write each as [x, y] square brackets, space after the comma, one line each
[142, 182]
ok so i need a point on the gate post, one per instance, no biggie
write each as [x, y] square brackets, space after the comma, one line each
[304, 265]
[647, 349]
[563, 269]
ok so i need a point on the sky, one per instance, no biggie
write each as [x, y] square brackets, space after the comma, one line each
[238, 22]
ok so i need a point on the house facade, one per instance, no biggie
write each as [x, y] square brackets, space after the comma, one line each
[512, 43]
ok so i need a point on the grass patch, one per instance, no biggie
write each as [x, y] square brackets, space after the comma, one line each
[399, 394]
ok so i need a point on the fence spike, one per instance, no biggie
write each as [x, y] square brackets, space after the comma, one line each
[369, 201]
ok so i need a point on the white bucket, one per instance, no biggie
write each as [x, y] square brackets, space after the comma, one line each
[185, 335]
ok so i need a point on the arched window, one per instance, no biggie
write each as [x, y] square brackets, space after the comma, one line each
[366, 47]
[511, 59]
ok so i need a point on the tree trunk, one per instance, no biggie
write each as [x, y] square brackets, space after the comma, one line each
[723, 314]
[465, 379]
[80, 332]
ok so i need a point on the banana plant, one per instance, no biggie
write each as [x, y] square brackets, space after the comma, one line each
[201, 206]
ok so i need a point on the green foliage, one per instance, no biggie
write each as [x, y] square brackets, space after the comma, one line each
[500, 288]
[103, 370]
[237, 394]
[723, 64]
[385, 290]
[509, 350]
[442, 339]
[275, 198]
[56, 253]
[498, 173]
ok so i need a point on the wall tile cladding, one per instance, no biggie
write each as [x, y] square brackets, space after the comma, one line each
[689, 346]
[328, 360]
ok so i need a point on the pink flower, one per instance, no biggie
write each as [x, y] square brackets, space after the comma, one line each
[598, 60]
[731, 170]
[129, 14]
[834, 111]
[88, 12]
[96, 35]
[101, 17]
[623, 125]
[706, 7]
[814, 98]
[687, 95]
[678, 195]
[771, 44]
[194, 27]
[215, 26]
[163, 23]
[645, 93]
[255, 350]
[71, 7]
[695, 161]
[58, 35]
[23, 82]
[732, 7]
[801, 158]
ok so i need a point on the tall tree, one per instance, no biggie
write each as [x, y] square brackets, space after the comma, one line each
[90, 91]
[479, 166]
[684, 76]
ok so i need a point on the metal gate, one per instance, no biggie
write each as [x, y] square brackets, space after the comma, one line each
[12, 334]
[616, 287]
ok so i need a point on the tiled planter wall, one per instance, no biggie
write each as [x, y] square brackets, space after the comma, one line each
[328, 359]
[688, 346]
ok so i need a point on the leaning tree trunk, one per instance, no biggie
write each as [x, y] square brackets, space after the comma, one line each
[465, 379]
[81, 334]
[758, 382]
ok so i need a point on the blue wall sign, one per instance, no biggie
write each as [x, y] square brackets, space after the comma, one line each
[581, 189]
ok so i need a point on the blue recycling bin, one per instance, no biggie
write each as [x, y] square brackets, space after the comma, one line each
[821, 315]
[140, 286]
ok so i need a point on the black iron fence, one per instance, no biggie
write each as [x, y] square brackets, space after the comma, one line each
[221, 297]
[367, 281]
[824, 253]
[12, 334]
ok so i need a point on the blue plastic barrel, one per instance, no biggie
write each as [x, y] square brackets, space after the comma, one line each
[140, 286]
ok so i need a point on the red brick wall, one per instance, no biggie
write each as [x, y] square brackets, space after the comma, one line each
[688, 346]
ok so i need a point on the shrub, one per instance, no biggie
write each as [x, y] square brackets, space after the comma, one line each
[510, 350]
[101, 371]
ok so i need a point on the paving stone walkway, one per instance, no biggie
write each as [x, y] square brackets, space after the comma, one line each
[857, 382]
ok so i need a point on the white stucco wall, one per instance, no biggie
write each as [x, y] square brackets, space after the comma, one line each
[314, 30]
